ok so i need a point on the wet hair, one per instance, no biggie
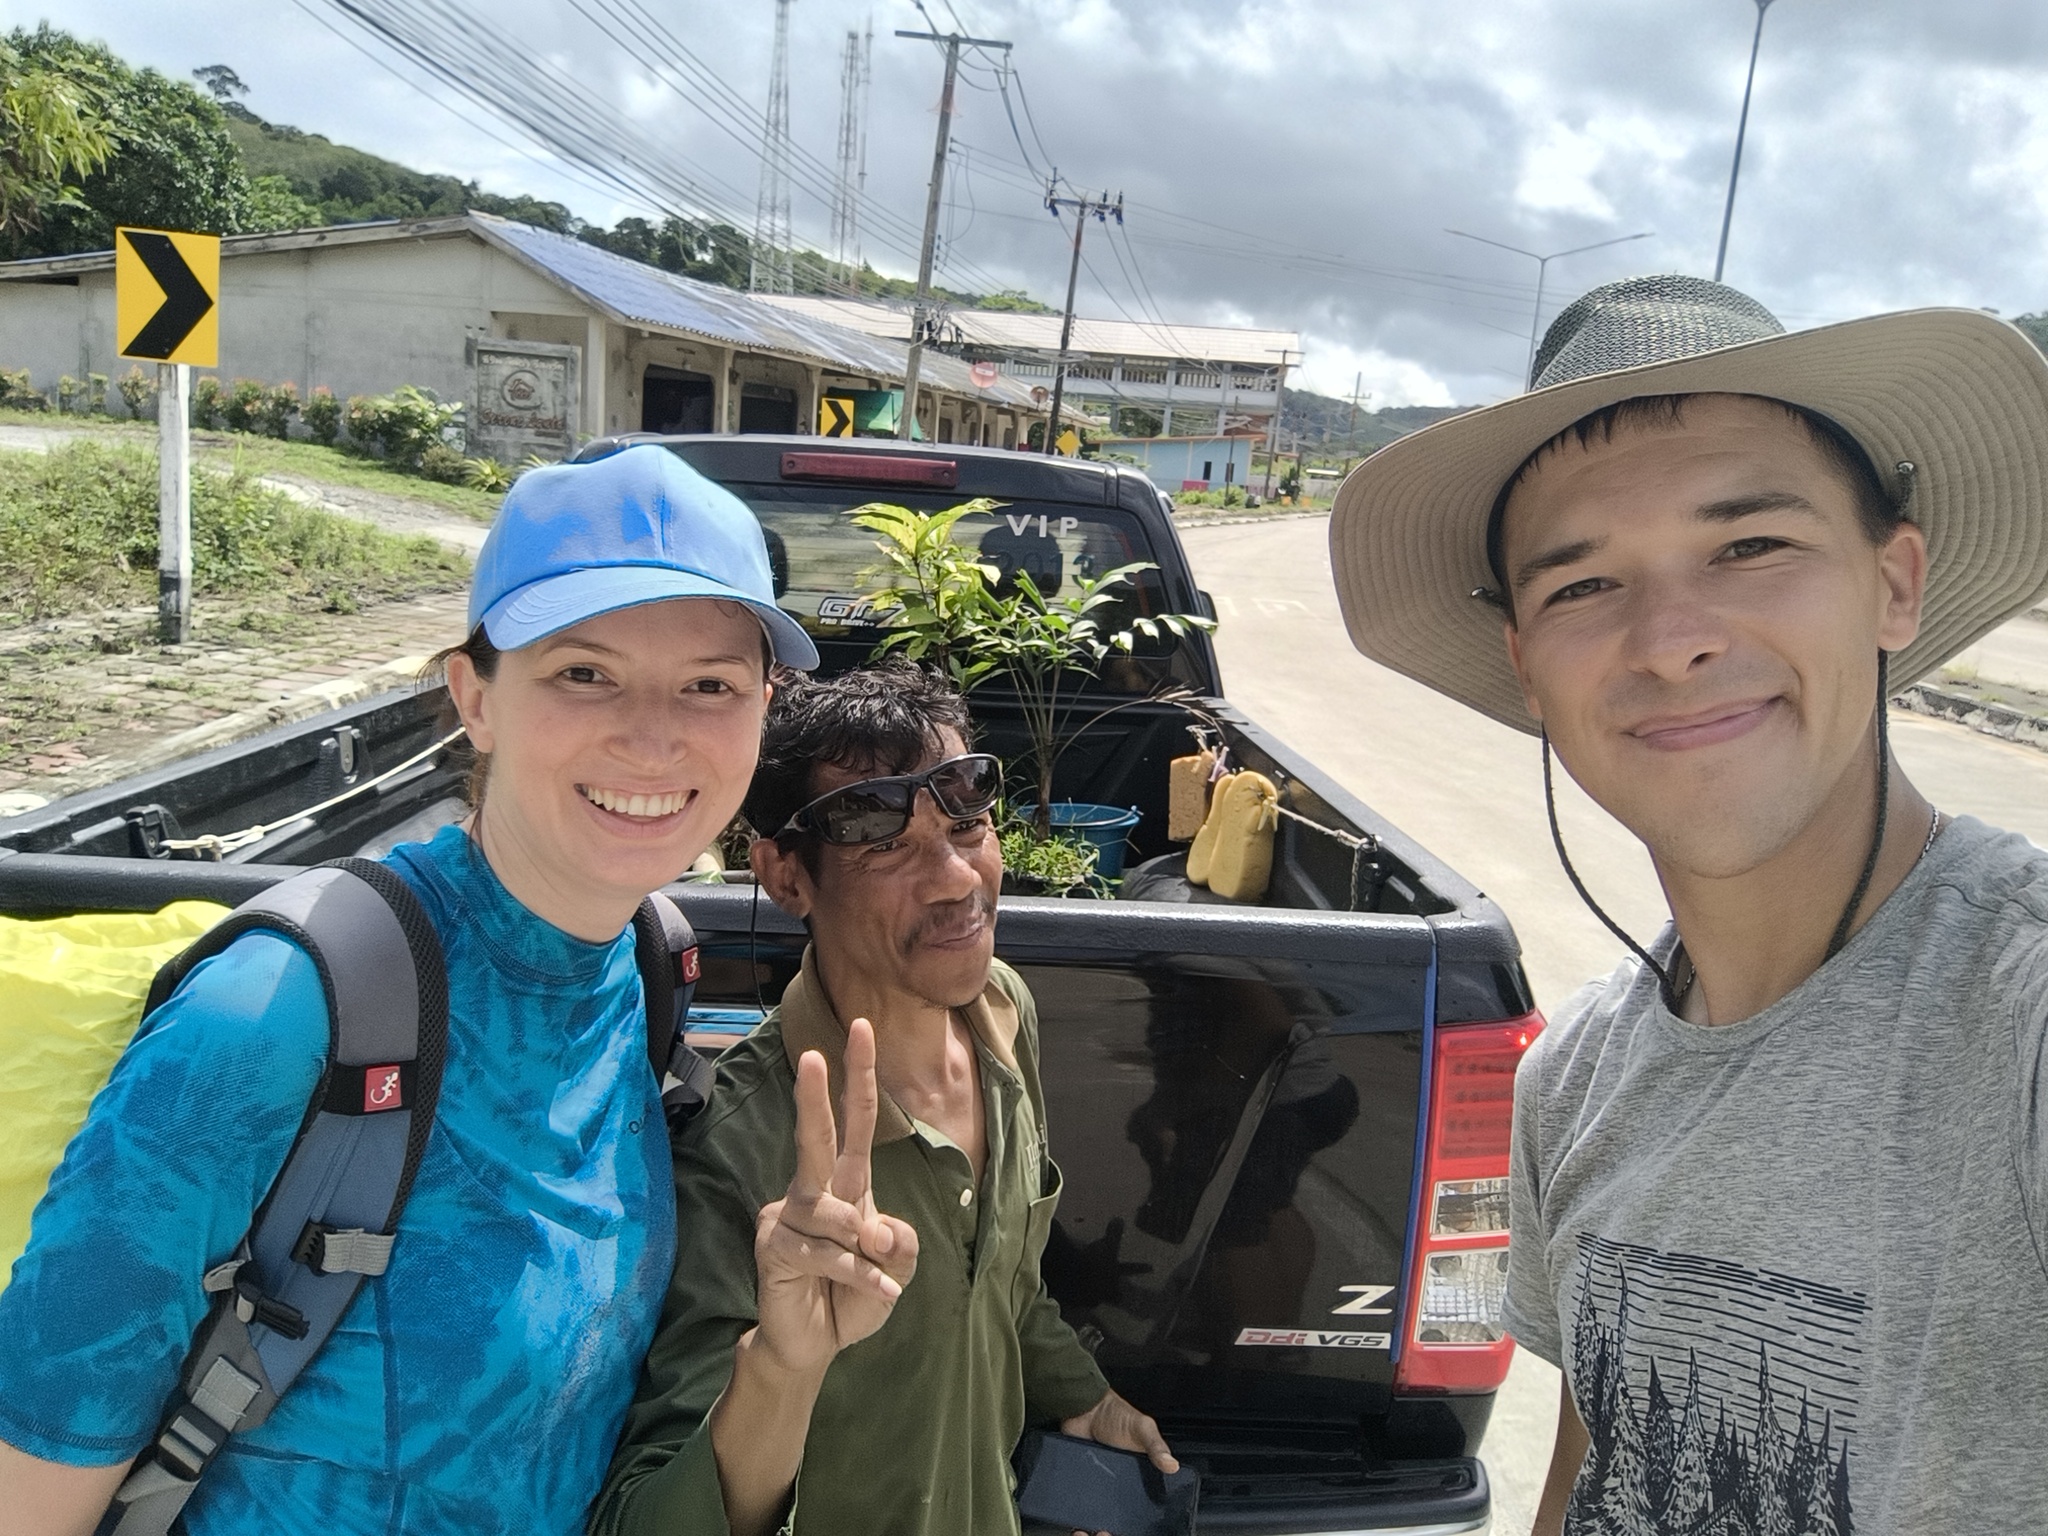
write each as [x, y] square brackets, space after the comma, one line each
[1879, 510]
[875, 720]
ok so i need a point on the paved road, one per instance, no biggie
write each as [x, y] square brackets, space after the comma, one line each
[1471, 791]
[2018, 653]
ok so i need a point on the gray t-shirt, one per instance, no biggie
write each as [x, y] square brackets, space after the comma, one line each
[1796, 1267]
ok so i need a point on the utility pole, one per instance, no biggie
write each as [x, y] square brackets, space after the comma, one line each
[1741, 129]
[1273, 431]
[1102, 208]
[851, 183]
[1351, 432]
[1542, 268]
[775, 273]
[920, 314]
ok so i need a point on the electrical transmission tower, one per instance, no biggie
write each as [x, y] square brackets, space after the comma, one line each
[852, 182]
[770, 270]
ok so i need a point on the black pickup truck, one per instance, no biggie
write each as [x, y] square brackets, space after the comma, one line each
[1284, 1126]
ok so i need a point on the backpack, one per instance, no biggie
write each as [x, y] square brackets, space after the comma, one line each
[328, 1221]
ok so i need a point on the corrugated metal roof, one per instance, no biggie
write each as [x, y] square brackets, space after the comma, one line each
[631, 292]
[637, 294]
[1041, 333]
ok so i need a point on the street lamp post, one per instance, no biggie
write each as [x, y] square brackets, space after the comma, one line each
[1542, 268]
[1741, 129]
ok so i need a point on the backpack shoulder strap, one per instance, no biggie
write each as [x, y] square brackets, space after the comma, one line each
[328, 1221]
[665, 947]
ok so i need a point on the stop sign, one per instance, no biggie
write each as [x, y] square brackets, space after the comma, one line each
[986, 374]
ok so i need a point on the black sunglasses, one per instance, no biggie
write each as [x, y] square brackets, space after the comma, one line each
[875, 809]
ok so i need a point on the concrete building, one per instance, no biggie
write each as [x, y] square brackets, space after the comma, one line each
[547, 339]
[1148, 380]
[1186, 463]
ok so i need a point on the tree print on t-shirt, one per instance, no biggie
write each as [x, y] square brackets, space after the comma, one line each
[1719, 1400]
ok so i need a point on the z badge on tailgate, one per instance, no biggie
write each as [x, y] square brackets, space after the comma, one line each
[1364, 1301]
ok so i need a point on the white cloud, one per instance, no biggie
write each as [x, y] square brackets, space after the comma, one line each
[1557, 172]
[1295, 162]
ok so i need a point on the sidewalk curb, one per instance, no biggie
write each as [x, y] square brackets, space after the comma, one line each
[302, 705]
[1238, 522]
[2000, 720]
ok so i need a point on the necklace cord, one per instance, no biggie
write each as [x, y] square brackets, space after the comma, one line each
[1557, 840]
[1840, 936]
[1665, 983]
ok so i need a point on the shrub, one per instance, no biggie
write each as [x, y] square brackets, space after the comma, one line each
[445, 464]
[82, 519]
[18, 391]
[69, 391]
[403, 424]
[361, 417]
[96, 393]
[322, 415]
[280, 405]
[245, 400]
[208, 402]
[486, 474]
[138, 391]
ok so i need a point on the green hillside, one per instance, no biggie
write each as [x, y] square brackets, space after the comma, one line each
[300, 178]
[1323, 423]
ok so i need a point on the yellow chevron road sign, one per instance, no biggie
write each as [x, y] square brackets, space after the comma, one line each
[167, 296]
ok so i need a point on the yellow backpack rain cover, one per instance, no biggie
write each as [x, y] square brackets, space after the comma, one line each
[71, 993]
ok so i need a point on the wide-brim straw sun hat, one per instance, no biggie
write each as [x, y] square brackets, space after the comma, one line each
[1959, 395]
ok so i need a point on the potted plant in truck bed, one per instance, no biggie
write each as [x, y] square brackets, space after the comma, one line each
[946, 609]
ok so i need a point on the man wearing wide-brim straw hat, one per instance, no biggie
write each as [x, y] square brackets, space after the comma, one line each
[1779, 1203]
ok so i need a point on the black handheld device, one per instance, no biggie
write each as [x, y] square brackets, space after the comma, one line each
[1081, 1485]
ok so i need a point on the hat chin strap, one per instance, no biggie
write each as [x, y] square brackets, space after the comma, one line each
[1665, 985]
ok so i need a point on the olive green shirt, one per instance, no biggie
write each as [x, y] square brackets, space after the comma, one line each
[915, 1425]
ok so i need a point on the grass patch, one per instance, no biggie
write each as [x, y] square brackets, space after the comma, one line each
[254, 455]
[78, 533]
[260, 455]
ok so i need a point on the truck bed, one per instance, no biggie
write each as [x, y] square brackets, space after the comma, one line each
[1234, 1091]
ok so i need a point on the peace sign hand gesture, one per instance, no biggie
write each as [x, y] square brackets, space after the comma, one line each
[830, 1266]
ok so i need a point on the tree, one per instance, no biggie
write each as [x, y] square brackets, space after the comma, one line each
[221, 83]
[1689, 1495]
[52, 129]
[1769, 1516]
[171, 164]
[274, 205]
[1660, 1442]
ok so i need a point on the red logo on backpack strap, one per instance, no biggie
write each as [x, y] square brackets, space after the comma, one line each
[382, 1090]
[687, 965]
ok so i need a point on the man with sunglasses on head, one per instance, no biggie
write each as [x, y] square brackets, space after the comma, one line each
[877, 833]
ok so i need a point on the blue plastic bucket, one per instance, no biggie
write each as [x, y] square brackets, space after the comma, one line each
[1106, 827]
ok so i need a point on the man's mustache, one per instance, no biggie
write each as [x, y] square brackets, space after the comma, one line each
[950, 920]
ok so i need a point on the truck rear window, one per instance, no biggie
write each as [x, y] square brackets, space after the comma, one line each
[824, 562]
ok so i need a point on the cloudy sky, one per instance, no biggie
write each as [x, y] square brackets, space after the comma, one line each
[1294, 163]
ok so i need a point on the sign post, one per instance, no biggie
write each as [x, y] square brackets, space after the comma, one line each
[173, 503]
[166, 311]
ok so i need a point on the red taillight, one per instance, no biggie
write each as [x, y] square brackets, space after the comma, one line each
[1455, 1341]
[883, 468]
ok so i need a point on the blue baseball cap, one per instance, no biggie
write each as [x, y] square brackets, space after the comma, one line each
[573, 541]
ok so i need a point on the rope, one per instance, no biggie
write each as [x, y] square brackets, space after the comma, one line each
[1884, 793]
[217, 845]
[1664, 984]
[1362, 848]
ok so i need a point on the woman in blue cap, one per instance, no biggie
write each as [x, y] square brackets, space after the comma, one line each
[622, 624]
